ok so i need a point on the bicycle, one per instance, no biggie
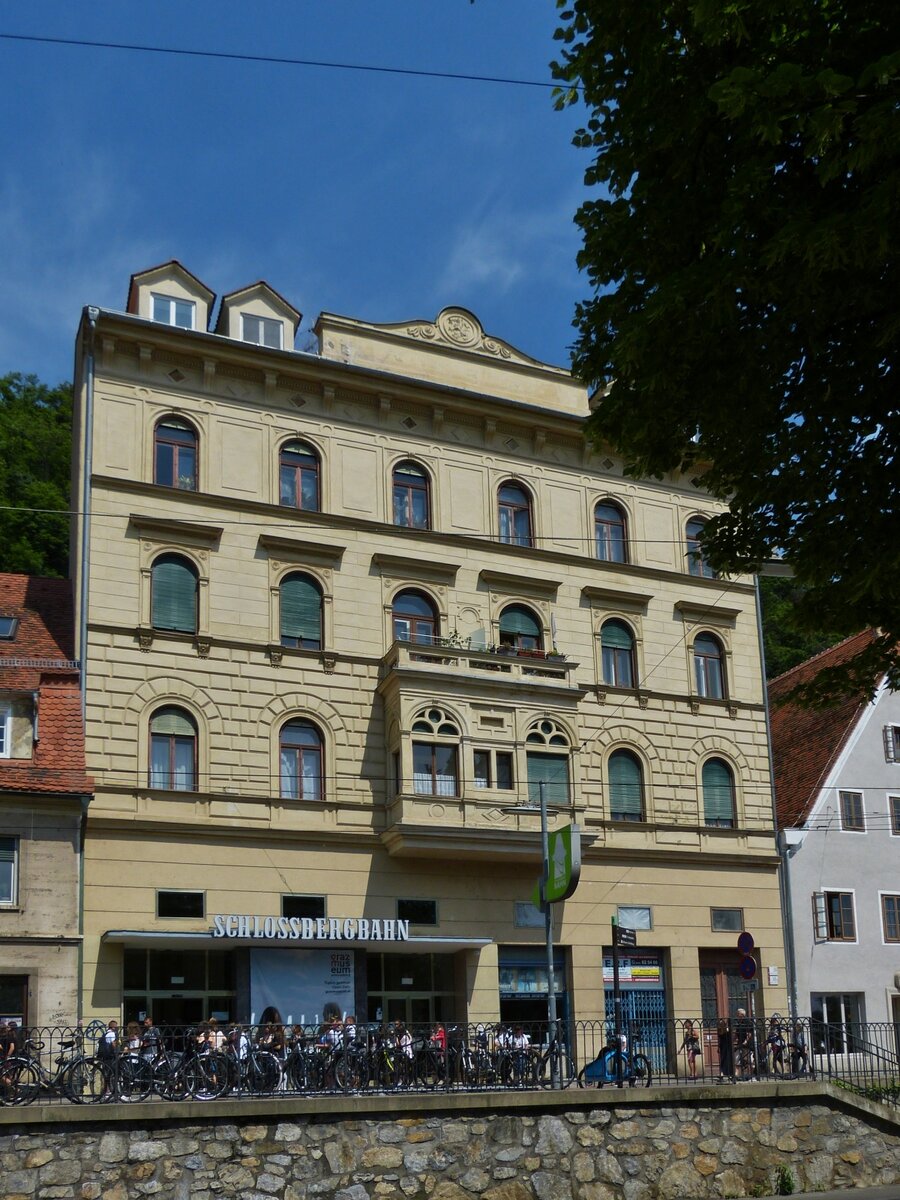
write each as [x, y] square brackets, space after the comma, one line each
[557, 1063]
[615, 1062]
[77, 1078]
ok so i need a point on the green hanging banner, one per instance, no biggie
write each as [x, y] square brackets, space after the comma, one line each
[565, 867]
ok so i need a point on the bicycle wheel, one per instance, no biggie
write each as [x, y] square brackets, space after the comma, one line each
[601, 1070]
[203, 1081]
[134, 1079]
[641, 1072]
[75, 1082]
[296, 1071]
[23, 1081]
[350, 1071]
[263, 1073]
[171, 1081]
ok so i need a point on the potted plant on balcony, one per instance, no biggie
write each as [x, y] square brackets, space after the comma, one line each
[556, 654]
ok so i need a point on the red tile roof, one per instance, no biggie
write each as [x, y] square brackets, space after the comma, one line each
[807, 741]
[38, 659]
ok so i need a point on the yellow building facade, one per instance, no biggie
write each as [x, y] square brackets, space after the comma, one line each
[340, 611]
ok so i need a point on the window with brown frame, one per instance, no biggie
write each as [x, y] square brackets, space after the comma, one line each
[890, 918]
[412, 506]
[833, 917]
[175, 454]
[894, 808]
[852, 816]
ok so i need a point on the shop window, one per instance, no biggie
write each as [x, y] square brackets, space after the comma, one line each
[417, 912]
[697, 565]
[300, 756]
[174, 594]
[709, 667]
[718, 794]
[415, 618]
[635, 916]
[175, 454]
[852, 816]
[303, 906]
[173, 750]
[617, 653]
[626, 787]
[514, 506]
[298, 478]
[300, 602]
[493, 769]
[833, 917]
[412, 507]
[9, 872]
[610, 533]
[726, 920]
[180, 904]
[837, 1018]
[520, 629]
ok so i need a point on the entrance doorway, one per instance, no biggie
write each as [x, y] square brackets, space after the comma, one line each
[722, 992]
[14, 998]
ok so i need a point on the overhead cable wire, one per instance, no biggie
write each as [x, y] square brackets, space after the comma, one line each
[278, 60]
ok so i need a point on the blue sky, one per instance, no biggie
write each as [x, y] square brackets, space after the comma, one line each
[377, 196]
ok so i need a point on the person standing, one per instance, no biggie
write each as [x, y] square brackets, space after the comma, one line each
[726, 1050]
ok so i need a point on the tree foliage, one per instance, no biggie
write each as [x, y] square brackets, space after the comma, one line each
[35, 453]
[740, 244]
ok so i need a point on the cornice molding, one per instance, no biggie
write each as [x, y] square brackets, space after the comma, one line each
[416, 568]
[301, 551]
[503, 581]
[172, 529]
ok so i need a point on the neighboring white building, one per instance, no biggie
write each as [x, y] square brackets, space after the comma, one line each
[837, 781]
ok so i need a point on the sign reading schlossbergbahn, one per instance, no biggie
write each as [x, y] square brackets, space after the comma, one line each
[309, 929]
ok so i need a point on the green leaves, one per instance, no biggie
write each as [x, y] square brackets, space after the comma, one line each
[35, 452]
[738, 238]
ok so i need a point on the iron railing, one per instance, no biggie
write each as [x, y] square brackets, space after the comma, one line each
[68, 1064]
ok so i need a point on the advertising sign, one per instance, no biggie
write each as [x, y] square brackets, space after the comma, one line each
[637, 970]
[564, 846]
[307, 985]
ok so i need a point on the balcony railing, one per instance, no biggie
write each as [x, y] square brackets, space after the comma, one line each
[505, 662]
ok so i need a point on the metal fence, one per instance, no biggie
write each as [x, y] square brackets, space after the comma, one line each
[96, 1064]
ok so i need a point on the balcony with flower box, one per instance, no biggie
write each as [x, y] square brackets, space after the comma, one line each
[452, 662]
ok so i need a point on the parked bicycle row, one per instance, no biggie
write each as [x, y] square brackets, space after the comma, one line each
[101, 1062]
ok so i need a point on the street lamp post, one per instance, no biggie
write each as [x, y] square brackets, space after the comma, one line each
[554, 1055]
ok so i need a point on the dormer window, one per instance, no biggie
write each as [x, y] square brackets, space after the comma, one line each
[8, 627]
[262, 331]
[169, 310]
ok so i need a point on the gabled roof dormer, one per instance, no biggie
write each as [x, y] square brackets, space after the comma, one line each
[259, 315]
[171, 295]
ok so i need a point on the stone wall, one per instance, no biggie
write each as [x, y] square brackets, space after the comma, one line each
[567, 1147]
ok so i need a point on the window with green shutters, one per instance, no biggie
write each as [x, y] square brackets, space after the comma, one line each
[626, 787]
[520, 628]
[617, 652]
[173, 594]
[301, 613]
[551, 771]
[718, 793]
[173, 750]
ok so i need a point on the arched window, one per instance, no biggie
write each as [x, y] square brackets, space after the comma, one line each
[435, 762]
[626, 787]
[174, 590]
[610, 533]
[515, 515]
[617, 653]
[520, 628]
[547, 766]
[696, 564]
[298, 481]
[300, 761]
[718, 793]
[709, 667]
[173, 750]
[415, 618]
[411, 500]
[175, 454]
[301, 612]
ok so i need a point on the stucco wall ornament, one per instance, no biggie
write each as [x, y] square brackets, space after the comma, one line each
[457, 327]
